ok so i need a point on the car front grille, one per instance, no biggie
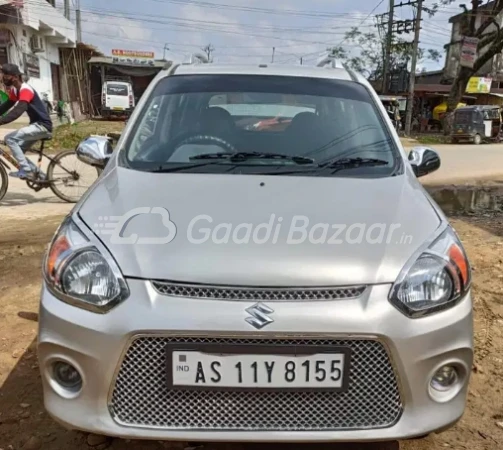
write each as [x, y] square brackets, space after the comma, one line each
[141, 397]
[256, 294]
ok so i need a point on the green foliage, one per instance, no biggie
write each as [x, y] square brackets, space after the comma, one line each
[67, 137]
[367, 55]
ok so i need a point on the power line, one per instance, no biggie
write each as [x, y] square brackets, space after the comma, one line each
[206, 27]
[228, 7]
[184, 21]
[345, 38]
[158, 43]
[136, 16]
[188, 25]
[364, 20]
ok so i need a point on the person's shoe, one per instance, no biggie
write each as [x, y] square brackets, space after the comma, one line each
[23, 175]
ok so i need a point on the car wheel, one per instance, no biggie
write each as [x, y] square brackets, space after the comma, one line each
[477, 140]
[454, 141]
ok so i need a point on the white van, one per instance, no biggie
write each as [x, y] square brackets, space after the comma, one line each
[117, 98]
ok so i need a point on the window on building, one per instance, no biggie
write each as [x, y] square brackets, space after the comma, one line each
[4, 55]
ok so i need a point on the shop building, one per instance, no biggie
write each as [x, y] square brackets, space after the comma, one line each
[31, 36]
[138, 70]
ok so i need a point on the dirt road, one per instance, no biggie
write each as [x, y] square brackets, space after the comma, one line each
[25, 425]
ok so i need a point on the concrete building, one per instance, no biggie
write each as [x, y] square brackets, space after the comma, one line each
[494, 67]
[31, 34]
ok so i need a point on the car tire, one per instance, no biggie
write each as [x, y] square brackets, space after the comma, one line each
[454, 141]
[477, 139]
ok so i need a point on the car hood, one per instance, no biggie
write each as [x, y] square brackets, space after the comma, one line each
[356, 230]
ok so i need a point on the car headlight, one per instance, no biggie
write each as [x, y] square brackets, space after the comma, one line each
[434, 280]
[81, 272]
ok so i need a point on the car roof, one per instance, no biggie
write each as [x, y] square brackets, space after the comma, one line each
[266, 69]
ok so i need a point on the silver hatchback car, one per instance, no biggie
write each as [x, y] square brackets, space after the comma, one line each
[257, 262]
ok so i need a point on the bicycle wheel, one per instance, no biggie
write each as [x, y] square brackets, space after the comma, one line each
[4, 182]
[69, 177]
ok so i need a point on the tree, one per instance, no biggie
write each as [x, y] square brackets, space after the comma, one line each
[490, 44]
[369, 57]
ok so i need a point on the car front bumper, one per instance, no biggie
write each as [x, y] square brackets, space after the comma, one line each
[464, 135]
[99, 345]
[117, 111]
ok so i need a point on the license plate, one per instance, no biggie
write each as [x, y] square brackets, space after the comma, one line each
[460, 131]
[247, 368]
[116, 108]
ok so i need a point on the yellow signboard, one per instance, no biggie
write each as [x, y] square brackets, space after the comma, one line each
[479, 85]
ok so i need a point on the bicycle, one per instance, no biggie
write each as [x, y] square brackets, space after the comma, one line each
[49, 181]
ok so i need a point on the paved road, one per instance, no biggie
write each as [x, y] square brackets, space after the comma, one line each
[465, 163]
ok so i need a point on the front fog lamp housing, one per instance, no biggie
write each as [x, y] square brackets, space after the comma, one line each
[67, 376]
[444, 378]
[80, 271]
[433, 280]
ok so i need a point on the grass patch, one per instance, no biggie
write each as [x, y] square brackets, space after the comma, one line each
[67, 137]
[433, 139]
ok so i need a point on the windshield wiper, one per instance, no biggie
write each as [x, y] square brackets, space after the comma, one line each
[350, 163]
[179, 168]
[245, 156]
[337, 164]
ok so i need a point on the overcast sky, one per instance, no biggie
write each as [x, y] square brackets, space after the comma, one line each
[244, 30]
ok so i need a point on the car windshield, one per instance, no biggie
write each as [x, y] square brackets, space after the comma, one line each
[199, 120]
[117, 89]
[466, 117]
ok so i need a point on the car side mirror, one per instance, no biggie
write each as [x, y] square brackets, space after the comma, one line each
[424, 161]
[95, 151]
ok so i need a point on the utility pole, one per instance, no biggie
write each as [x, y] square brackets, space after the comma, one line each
[273, 50]
[209, 49]
[412, 80]
[164, 51]
[67, 9]
[78, 21]
[387, 52]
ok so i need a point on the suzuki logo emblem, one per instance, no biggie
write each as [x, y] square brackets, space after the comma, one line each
[259, 315]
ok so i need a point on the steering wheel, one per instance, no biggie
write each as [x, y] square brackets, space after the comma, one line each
[204, 138]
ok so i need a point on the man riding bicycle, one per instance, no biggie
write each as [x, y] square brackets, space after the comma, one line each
[23, 98]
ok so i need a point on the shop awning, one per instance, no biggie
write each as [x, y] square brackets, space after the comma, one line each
[148, 69]
[432, 88]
